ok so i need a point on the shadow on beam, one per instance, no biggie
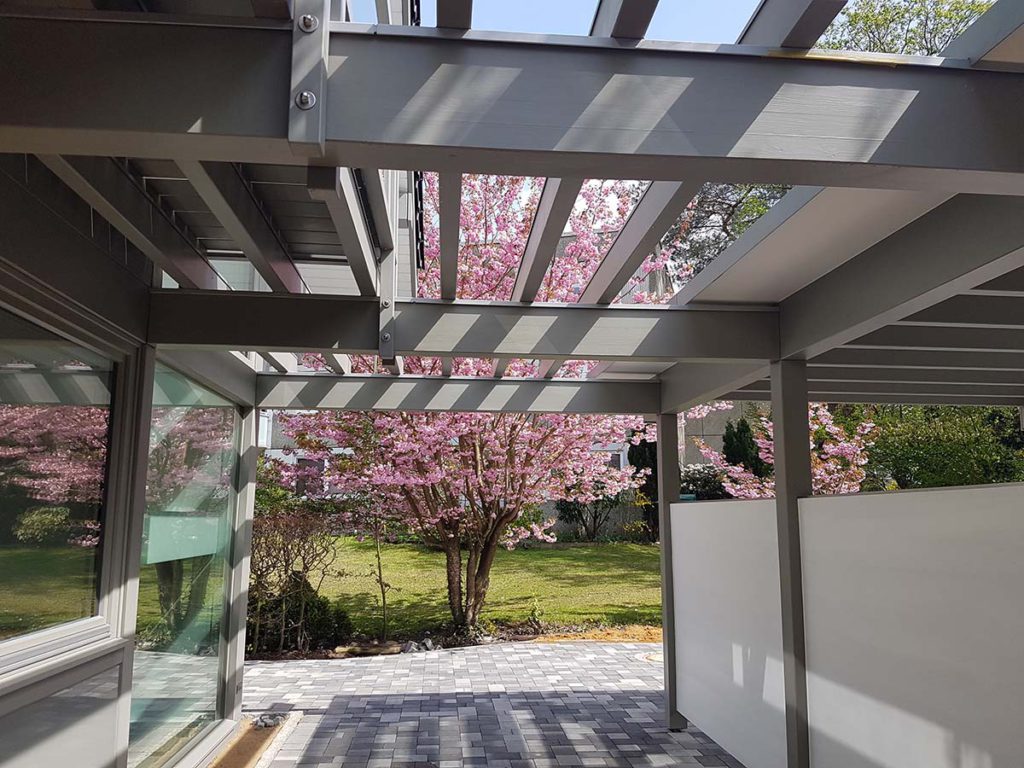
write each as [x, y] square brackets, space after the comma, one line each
[407, 393]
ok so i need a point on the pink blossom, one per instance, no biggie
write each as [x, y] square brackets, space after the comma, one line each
[837, 459]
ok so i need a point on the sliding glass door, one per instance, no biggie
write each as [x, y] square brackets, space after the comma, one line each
[187, 531]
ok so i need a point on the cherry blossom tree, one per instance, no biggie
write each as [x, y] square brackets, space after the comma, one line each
[55, 454]
[837, 458]
[468, 483]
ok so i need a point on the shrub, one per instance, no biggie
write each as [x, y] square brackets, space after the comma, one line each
[702, 480]
[43, 525]
[638, 531]
[739, 448]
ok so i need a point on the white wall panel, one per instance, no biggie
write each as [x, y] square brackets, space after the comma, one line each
[729, 628]
[76, 727]
[914, 612]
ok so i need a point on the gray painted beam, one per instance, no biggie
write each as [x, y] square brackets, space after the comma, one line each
[790, 23]
[627, 19]
[998, 36]
[230, 199]
[432, 393]
[662, 204]
[685, 385]
[450, 204]
[339, 364]
[792, 119]
[792, 482]
[220, 371]
[336, 188]
[383, 221]
[956, 246]
[282, 362]
[916, 399]
[868, 388]
[972, 311]
[944, 338]
[925, 359]
[424, 99]
[548, 369]
[553, 210]
[455, 14]
[820, 374]
[237, 320]
[668, 494]
[108, 188]
[1011, 282]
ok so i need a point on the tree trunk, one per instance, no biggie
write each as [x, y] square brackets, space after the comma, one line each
[481, 581]
[453, 571]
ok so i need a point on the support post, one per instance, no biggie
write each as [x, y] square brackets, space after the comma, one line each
[238, 565]
[129, 470]
[792, 481]
[668, 494]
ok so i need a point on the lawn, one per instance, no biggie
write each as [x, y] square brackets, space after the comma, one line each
[568, 585]
[41, 587]
[608, 584]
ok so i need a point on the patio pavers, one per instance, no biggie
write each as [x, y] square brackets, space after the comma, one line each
[514, 705]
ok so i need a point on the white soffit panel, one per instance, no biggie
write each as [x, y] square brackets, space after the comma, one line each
[830, 229]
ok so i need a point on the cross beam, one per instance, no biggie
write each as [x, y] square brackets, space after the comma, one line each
[298, 323]
[410, 393]
[425, 99]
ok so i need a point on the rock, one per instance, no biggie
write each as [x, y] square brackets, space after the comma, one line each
[486, 639]
[410, 647]
[268, 720]
[428, 644]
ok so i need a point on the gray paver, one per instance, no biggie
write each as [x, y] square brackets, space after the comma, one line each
[516, 705]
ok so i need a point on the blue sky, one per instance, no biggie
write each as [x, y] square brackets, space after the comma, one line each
[698, 21]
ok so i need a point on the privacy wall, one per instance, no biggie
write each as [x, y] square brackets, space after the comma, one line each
[914, 619]
[729, 628]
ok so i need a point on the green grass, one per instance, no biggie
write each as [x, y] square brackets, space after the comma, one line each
[603, 583]
[42, 587]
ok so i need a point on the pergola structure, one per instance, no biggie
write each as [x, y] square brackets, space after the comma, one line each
[276, 146]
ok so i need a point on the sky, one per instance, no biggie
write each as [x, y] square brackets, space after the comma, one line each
[695, 21]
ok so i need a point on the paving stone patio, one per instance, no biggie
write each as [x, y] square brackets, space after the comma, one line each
[500, 706]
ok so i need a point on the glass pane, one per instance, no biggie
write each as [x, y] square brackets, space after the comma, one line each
[186, 532]
[54, 425]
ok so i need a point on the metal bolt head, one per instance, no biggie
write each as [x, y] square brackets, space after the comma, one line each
[385, 336]
[308, 22]
[305, 100]
[385, 303]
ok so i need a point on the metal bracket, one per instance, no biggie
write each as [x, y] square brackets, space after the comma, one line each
[388, 284]
[307, 115]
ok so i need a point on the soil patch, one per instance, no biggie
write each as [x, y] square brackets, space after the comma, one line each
[631, 633]
[245, 749]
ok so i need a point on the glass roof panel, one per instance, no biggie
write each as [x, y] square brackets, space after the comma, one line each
[701, 21]
[563, 17]
[601, 210]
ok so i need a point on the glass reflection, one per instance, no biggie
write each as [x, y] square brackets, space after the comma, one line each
[186, 532]
[54, 431]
